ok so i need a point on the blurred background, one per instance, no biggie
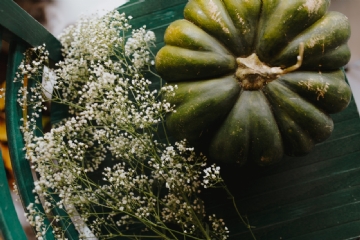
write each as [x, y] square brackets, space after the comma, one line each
[61, 13]
[55, 15]
[351, 9]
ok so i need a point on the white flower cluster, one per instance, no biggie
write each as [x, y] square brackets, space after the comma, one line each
[212, 176]
[111, 132]
[137, 47]
[219, 227]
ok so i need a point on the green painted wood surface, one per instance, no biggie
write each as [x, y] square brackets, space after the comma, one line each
[143, 8]
[22, 31]
[21, 166]
[8, 216]
[18, 25]
[313, 197]
[65, 221]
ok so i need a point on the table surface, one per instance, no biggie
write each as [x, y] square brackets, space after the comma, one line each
[316, 196]
[313, 197]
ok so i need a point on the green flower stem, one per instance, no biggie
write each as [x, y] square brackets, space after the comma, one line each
[246, 223]
[195, 216]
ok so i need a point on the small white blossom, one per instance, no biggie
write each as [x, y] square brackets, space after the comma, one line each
[114, 117]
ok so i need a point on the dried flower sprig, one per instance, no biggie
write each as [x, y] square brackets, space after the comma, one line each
[148, 186]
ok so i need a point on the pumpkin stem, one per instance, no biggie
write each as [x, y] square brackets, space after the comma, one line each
[300, 58]
[253, 74]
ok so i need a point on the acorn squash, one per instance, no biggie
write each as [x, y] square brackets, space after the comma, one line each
[256, 79]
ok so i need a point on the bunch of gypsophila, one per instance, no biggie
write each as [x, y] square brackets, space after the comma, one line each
[148, 186]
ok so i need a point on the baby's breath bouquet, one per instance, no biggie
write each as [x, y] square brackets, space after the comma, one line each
[110, 163]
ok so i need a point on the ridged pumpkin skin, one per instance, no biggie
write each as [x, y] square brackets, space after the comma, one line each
[256, 117]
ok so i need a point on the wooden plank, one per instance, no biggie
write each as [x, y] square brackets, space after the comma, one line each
[21, 166]
[307, 189]
[322, 152]
[303, 175]
[250, 175]
[343, 129]
[159, 18]
[347, 231]
[18, 25]
[349, 113]
[10, 226]
[311, 223]
[269, 213]
[338, 186]
[140, 8]
[295, 193]
[287, 212]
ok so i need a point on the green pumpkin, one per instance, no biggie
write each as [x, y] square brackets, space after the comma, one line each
[256, 79]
